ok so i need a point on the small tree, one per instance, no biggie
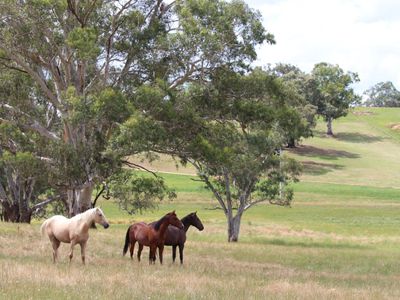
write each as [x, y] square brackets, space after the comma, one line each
[383, 94]
[332, 92]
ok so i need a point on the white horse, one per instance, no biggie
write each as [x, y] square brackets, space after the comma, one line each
[75, 230]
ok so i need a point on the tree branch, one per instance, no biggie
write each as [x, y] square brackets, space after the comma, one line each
[209, 185]
[133, 165]
[50, 95]
[42, 204]
[34, 125]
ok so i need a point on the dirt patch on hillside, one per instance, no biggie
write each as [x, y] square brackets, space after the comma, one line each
[363, 113]
[395, 127]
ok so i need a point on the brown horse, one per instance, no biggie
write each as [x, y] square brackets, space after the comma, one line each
[177, 237]
[150, 235]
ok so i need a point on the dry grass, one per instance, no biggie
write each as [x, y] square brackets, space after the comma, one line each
[212, 270]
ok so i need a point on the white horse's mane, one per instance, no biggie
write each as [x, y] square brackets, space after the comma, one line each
[86, 214]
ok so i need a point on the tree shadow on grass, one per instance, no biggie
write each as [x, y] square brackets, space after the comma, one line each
[316, 169]
[328, 154]
[329, 245]
[354, 137]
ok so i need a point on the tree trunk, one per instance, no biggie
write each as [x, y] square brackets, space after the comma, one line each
[329, 127]
[11, 212]
[291, 143]
[24, 211]
[79, 200]
[234, 228]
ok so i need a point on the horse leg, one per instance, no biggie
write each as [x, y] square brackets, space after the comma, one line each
[55, 243]
[152, 254]
[173, 253]
[160, 252]
[139, 253]
[181, 246]
[131, 248]
[83, 250]
[71, 253]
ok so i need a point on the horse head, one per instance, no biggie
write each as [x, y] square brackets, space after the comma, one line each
[100, 218]
[173, 220]
[195, 221]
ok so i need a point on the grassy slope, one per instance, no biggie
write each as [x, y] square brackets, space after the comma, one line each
[364, 152]
[339, 240]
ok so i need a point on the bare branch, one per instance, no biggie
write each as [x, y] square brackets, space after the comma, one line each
[136, 166]
[34, 125]
[42, 204]
[35, 75]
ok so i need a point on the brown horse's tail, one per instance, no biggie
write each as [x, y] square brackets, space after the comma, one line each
[126, 241]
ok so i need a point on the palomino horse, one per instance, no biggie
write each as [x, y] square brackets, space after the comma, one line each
[75, 230]
[151, 235]
[177, 237]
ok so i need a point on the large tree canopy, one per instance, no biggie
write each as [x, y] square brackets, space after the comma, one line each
[230, 129]
[89, 59]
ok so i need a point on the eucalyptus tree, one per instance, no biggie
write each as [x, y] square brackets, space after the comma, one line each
[298, 86]
[333, 94]
[230, 129]
[89, 58]
[25, 175]
[383, 94]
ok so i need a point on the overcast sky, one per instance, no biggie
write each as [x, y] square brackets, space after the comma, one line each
[361, 36]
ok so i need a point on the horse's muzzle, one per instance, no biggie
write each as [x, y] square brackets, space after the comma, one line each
[106, 225]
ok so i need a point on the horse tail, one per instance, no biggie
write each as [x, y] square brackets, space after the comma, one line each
[43, 227]
[126, 241]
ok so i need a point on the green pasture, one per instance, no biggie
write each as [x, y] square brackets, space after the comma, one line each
[339, 240]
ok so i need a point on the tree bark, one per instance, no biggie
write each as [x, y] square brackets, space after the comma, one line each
[291, 143]
[79, 200]
[329, 127]
[234, 227]
[10, 212]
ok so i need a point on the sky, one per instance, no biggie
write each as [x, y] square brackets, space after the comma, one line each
[362, 36]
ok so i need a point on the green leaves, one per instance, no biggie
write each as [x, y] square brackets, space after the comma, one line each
[84, 41]
[136, 193]
[383, 94]
[333, 92]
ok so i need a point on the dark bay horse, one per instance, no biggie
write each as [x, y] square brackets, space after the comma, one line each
[151, 235]
[176, 237]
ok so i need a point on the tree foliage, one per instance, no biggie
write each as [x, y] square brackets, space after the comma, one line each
[90, 61]
[230, 129]
[383, 94]
[333, 93]
[298, 94]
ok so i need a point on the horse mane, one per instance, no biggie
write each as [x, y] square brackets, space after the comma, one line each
[157, 225]
[185, 218]
[88, 213]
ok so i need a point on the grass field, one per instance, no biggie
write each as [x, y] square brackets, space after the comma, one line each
[339, 240]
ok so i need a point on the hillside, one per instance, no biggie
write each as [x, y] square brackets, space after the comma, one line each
[365, 150]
